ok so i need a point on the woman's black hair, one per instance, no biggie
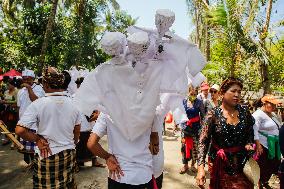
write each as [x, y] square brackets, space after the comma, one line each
[12, 82]
[257, 103]
[19, 82]
[229, 82]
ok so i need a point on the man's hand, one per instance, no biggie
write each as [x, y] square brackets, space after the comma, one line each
[154, 148]
[249, 147]
[259, 148]
[94, 116]
[113, 167]
[26, 85]
[154, 143]
[43, 146]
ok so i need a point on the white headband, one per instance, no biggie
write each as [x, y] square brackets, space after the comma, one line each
[28, 73]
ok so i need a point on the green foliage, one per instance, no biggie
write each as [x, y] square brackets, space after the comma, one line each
[23, 25]
[236, 48]
[118, 21]
[277, 65]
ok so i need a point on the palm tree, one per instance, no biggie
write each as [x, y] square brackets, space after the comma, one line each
[80, 9]
[48, 32]
[118, 21]
[207, 31]
[263, 35]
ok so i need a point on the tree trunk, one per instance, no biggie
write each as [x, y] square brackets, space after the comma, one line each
[265, 78]
[48, 33]
[197, 41]
[207, 43]
[233, 65]
[82, 5]
[263, 35]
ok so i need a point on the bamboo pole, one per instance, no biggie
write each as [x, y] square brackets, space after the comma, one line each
[11, 136]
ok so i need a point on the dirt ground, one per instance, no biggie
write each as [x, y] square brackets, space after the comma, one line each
[13, 175]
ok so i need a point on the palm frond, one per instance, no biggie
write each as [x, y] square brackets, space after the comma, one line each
[218, 16]
[251, 17]
[114, 4]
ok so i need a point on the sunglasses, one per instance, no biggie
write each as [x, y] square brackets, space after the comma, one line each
[213, 91]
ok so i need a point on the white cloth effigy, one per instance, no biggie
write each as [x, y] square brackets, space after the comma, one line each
[75, 74]
[187, 60]
[72, 87]
[130, 97]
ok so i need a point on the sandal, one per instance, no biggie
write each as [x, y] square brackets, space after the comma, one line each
[193, 169]
[6, 142]
[183, 171]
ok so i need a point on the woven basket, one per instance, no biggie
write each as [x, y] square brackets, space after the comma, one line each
[252, 171]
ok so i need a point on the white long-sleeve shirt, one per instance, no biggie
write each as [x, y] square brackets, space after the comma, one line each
[265, 124]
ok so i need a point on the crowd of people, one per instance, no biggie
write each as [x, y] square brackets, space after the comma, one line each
[126, 99]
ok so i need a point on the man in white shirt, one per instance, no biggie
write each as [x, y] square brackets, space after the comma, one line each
[58, 130]
[204, 95]
[130, 163]
[29, 93]
[132, 159]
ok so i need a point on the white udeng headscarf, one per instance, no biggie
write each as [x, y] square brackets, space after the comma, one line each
[28, 73]
[114, 44]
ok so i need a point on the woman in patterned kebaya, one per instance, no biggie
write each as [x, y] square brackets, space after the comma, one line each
[229, 129]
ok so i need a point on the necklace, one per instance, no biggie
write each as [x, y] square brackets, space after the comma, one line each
[232, 115]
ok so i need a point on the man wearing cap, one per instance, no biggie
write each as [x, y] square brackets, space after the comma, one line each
[58, 130]
[29, 93]
[266, 136]
[214, 100]
[204, 95]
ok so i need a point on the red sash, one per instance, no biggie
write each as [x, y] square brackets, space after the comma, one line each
[189, 140]
[220, 160]
[155, 186]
